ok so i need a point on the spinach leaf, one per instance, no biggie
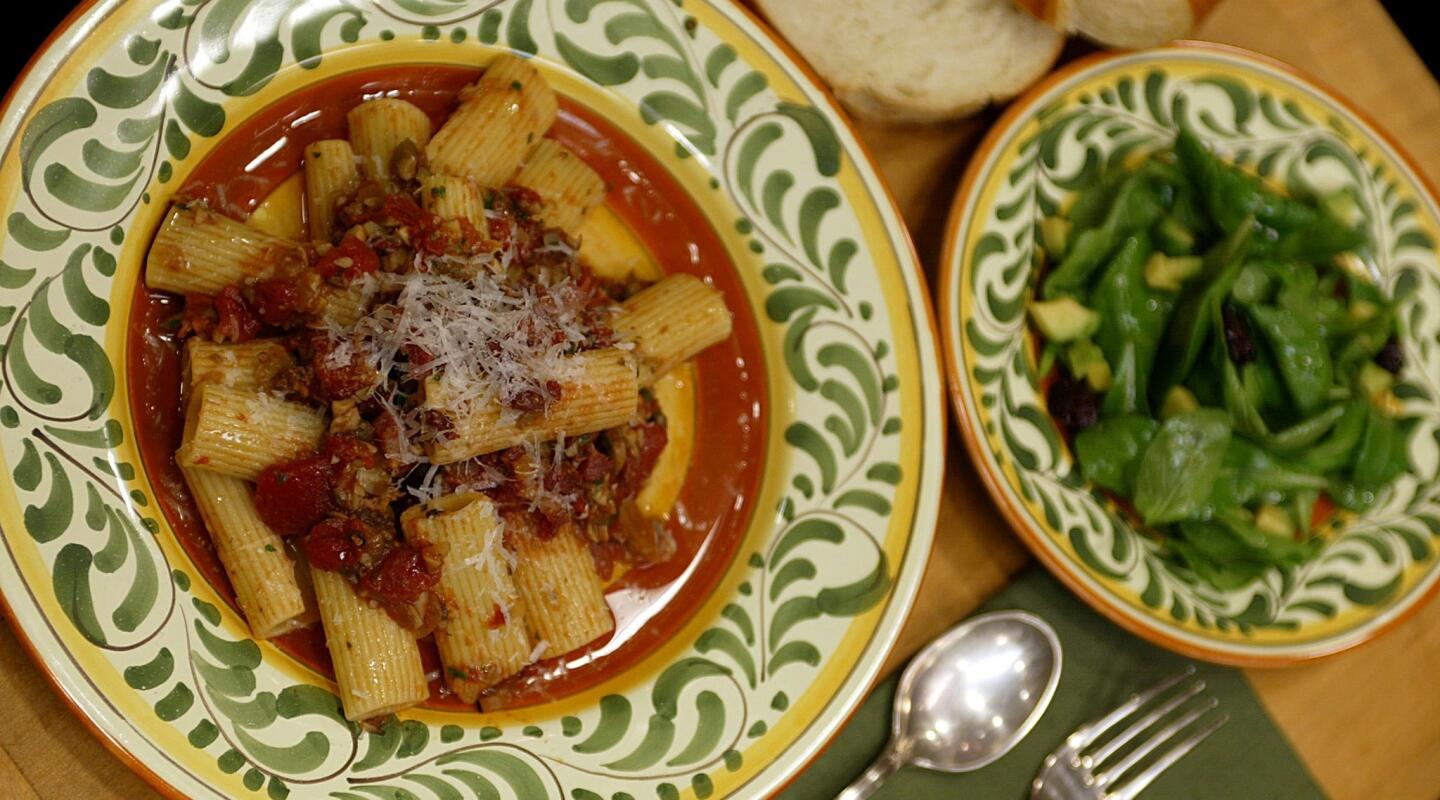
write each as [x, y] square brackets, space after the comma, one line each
[1180, 465]
[1231, 194]
[1306, 432]
[1215, 555]
[1124, 394]
[1191, 323]
[1301, 353]
[1131, 312]
[1136, 207]
[1109, 452]
[1383, 455]
[1335, 451]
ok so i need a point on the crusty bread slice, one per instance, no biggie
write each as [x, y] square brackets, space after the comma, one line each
[917, 60]
[1122, 23]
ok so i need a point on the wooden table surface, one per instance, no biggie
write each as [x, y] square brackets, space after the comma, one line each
[1367, 723]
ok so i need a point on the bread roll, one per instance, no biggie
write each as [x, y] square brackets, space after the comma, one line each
[1122, 23]
[918, 60]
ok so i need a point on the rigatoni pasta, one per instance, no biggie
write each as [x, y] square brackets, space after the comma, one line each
[483, 635]
[239, 433]
[200, 252]
[672, 321]
[568, 187]
[380, 128]
[498, 120]
[331, 178]
[452, 198]
[270, 586]
[563, 599]
[243, 366]
[598, 392]
[377, 662]
[433, 410]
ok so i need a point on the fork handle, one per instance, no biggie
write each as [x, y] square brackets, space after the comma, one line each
[881, 769]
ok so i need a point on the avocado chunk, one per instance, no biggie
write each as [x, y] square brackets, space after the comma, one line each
[1178, 401]
[1173, 238]
[1274, 521]
[1166, 273]
[1063, 319]
[1055, 237]
[1087, 361]
[1344, 208]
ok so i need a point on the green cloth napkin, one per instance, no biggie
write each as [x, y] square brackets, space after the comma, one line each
[1102, 665]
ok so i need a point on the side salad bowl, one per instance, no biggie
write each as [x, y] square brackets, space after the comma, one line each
[1370, 567]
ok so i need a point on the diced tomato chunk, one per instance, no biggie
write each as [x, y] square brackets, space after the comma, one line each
[350, 259]
[401, 577]
[331, 545]
[293, 496]
[236, 320]
[280, 302]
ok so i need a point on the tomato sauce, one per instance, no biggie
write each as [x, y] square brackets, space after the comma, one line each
[716, 504]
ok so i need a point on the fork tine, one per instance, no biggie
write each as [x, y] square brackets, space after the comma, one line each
[1160, 737]
[1142, 779]
[1087, 734]
[1140, 725]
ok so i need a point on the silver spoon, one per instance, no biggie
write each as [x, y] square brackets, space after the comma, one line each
[968, 697]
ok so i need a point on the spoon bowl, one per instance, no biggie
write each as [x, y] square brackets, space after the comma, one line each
[969, 697]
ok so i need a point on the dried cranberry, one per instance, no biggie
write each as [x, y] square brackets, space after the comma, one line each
[1072, 403]
[1391, 357]
[1237, 337]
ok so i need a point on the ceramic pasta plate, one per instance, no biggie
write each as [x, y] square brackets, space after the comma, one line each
[723, 156]
[1261, 114]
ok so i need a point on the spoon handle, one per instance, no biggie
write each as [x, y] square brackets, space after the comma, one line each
[881, 769]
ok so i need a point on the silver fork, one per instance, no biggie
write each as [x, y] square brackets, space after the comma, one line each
[1086, 768]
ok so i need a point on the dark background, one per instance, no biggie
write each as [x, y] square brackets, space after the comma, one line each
[41, 18]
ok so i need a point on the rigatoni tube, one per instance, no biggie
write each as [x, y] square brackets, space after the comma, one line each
[500, 117]
[377, 662]
[246, 366]
[563, 599]
[239, 433]
[567, 187]
[269, 585]
[330, 179]
[378, 128]
[452, 198]
[671, 321]
[482, 636]
[198, 251]
[597, 391]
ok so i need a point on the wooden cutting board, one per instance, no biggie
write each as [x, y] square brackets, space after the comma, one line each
[1367, 723]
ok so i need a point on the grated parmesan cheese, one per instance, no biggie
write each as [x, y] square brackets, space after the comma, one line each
[491, 340]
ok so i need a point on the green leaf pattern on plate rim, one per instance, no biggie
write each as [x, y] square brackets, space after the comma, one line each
[89, 161]
[1099, 118]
